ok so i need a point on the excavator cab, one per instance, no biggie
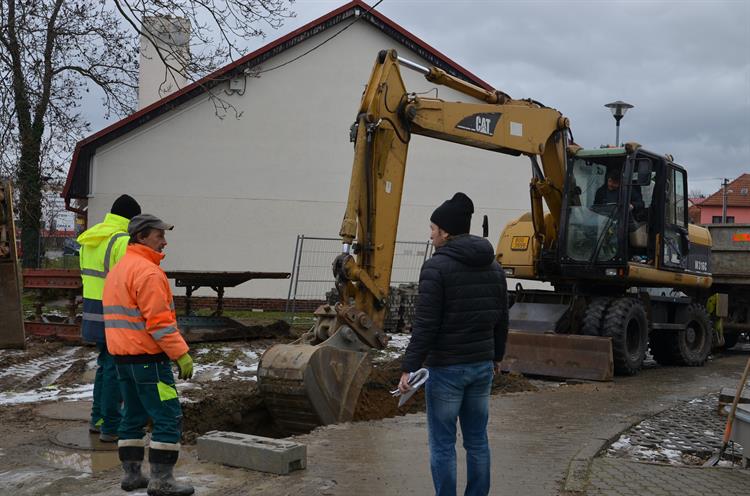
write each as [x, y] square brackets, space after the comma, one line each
[608, 208]
[626, 208]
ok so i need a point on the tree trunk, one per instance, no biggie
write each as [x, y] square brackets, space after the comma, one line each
[30, 204]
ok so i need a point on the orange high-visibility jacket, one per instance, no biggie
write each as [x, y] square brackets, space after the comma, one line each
[139, 316]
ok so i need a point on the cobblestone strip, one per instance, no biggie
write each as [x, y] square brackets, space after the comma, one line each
[613, 476]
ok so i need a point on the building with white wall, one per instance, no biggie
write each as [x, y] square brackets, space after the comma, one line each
[240, 190]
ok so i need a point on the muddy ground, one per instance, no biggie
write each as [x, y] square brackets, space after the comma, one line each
[223, 394]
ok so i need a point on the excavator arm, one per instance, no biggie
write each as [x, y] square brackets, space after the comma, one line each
[387, 117]
[317, 380]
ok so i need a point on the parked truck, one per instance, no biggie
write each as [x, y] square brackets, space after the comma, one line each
[730, 267]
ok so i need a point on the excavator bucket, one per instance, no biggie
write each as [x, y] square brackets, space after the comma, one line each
[559, 355]
[304, 386]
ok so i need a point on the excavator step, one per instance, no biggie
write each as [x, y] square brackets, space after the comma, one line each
[559, 355]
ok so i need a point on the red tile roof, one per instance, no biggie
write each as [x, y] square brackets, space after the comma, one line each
[738, 195]
[76, 185]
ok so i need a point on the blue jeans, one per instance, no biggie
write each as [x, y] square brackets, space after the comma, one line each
[459, 391]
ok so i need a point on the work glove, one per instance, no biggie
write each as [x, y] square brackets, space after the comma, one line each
[185, 363]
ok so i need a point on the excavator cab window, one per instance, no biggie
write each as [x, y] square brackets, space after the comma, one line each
[640, 211]
[674, 248]
[594, 209]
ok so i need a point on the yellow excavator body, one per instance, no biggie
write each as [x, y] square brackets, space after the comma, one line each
[573, 237]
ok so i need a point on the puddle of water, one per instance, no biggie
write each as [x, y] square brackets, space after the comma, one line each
[87, 462]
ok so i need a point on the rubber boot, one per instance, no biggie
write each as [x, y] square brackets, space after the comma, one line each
[133, 478]
[132, 458]
[163, 483]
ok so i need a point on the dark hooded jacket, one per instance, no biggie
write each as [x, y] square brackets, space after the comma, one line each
[462, 307]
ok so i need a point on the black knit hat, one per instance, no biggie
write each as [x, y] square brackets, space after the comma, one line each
[126, 206]
[454, 215]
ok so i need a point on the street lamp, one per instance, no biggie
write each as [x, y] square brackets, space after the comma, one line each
[618, 109]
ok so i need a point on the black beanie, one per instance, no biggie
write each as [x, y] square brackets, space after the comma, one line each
[454, 215]
[126, 206]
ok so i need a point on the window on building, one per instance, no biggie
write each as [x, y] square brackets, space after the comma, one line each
[716, 219]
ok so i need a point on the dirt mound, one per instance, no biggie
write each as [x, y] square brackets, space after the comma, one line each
[376, 401]
[73, 374]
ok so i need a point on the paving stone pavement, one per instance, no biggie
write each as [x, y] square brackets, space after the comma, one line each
[618, 477]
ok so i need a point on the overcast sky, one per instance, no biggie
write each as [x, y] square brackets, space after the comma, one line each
[684, 65]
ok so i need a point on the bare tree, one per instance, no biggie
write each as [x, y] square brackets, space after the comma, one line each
[54, 51]
[696, 193]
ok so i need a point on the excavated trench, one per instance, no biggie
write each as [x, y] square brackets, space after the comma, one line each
[238, 407]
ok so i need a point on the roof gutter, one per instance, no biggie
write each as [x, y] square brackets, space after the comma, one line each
[71, 208]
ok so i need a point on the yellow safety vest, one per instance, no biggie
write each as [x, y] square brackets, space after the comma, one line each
[102, 247]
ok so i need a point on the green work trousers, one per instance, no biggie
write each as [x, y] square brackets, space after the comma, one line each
[105, 412]
[148, 391]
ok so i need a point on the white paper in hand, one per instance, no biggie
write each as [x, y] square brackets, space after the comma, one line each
[416, 379]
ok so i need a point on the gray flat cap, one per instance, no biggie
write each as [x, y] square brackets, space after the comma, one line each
[142, 221]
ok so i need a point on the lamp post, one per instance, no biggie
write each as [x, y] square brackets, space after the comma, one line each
[618, 109]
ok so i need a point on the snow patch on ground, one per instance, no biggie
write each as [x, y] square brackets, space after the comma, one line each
[656, 453]
[397, 344]
[81, 392]
[244, 368]
[29, 369]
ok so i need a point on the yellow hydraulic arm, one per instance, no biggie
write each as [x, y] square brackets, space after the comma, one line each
[387, 116]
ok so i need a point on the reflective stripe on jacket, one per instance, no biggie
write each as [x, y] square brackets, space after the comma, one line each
[139, 315]
[102, 246]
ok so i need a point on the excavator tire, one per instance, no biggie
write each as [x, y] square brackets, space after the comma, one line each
[592, 320]
[626, 323]
[690, 347]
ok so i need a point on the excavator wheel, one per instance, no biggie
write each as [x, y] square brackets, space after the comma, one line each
[690, 347]
[626, 323]
[592, 320]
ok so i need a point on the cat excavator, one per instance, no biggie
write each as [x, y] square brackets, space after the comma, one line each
[615, 228]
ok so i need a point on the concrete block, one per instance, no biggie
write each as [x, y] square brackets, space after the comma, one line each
[741, 431]
[264, 454]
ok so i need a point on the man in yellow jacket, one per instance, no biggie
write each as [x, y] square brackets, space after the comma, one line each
[102, 246]
[142, 335]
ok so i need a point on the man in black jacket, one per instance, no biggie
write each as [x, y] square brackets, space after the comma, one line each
[459, 334]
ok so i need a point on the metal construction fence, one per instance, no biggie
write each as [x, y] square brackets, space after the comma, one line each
[312, 277]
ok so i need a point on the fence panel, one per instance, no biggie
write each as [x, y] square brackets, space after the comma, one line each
[312, 278]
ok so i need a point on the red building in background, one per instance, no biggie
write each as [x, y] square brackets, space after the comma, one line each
[738, 203]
